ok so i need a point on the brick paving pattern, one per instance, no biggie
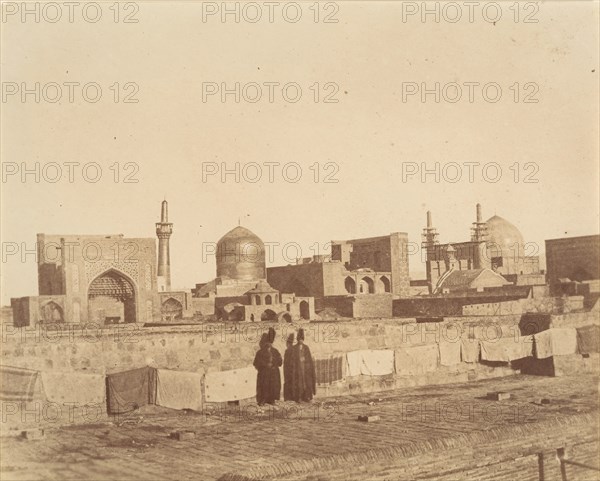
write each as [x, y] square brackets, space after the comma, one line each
[435, 432]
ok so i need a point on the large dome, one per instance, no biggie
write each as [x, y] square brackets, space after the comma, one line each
[241, 255]
[504, 237]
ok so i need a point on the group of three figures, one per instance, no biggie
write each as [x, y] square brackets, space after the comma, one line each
[298, 370]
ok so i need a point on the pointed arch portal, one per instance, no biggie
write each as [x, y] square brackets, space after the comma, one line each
[111, 298]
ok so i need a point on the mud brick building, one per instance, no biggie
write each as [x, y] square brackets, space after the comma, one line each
[573, 260]
[92, 278]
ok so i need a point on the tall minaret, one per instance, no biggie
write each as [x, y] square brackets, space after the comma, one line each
[479, 235]
[429, 246]
[430, 235]
[479, 229]
[164, 229]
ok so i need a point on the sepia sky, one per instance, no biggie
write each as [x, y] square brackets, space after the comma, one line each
[370, 135]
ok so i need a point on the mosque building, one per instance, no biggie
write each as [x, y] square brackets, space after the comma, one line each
[240, 291]
[494, 257]
[107, 279]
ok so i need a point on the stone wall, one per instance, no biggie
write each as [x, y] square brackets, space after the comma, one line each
[548, 305]
[218, 347]
[575, 258]
[360, 306]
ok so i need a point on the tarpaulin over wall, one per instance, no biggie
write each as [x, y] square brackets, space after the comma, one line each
[179, 389]
[17, 384]
[129, 390]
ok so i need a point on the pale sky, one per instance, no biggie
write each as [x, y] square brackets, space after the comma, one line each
[368, 134]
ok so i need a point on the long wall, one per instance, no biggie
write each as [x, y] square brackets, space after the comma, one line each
[219, 347]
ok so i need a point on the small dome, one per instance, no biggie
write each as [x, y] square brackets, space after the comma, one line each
[504, 238]
[241, 255]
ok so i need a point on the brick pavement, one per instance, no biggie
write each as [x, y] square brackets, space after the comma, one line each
[442, 432]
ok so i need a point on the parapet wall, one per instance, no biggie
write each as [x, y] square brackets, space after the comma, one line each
[547, 305]
[220, 347]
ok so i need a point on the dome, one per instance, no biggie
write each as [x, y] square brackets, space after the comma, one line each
[503, 237]
[241, 255]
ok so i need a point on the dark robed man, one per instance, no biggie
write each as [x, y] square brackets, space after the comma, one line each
[287, 368]
[302, 370]
[267, 362]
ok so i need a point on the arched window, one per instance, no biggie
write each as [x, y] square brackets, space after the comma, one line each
[268, 299]
[304, 310]
[258, 300]
[385, 282]
[350, 285]
[367, 285]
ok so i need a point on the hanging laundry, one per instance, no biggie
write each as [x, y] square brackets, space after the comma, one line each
[506, 349]
[223, 386]
[377, 362]
[179, 389]
[588, 339]
[130, 390]
[469, 350]
[416, 359]
[74, 387]
[519, 347]
[494, 351]
[353, 363]
[555, 342]
[329, 369]
[370, 362]
[17, 384]
[449, 353]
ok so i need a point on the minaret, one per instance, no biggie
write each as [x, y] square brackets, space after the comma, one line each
[430, 236]
[479, 229]
[164, 229]
[479, 235]
[429, 243]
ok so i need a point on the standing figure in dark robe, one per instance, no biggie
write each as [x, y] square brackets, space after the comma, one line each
[267, 362]
[303, 385]
[288, 369]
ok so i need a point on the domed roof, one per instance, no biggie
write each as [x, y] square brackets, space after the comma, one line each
[241, 255]
[501, 234]
[240, 234]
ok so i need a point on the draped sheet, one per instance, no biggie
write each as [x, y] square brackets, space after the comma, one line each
[233, 385]
[17, 384]
[555, 342]
[74, 387]
[370, 362]
[469, 350]
[449, 353]
[416, 359]
[130, 390]
[329, 369]
[179, 389]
